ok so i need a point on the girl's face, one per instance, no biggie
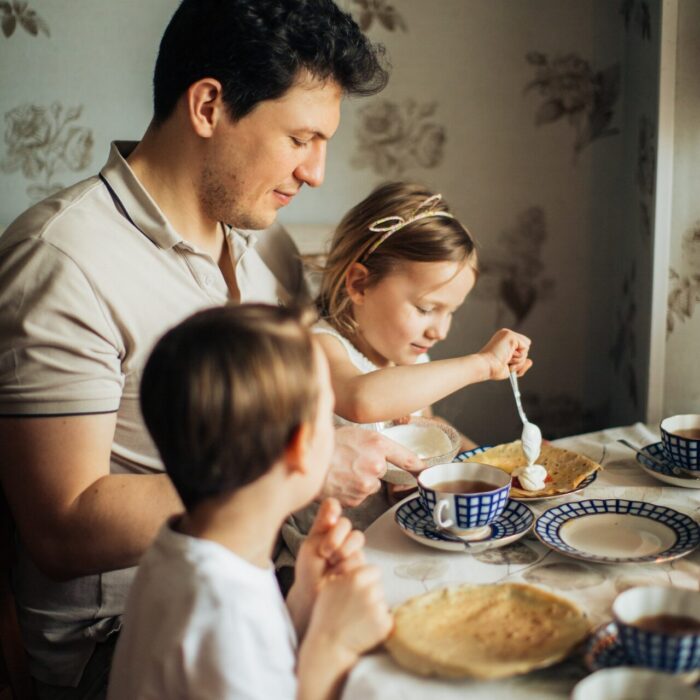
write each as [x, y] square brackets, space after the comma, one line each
[408, 311]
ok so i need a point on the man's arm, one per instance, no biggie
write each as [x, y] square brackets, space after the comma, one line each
[73, 516]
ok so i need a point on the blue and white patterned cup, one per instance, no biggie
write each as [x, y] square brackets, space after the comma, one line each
[681, 449]
[467, 514]
[662, 651]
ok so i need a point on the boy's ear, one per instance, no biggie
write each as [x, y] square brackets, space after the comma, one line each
[296, 450]
[205, 106]
[356, 282]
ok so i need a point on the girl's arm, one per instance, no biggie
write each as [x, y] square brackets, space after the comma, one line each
[389, 393]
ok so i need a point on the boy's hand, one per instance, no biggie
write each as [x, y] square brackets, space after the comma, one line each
[505, 352]
[350, 617]
[331, 548]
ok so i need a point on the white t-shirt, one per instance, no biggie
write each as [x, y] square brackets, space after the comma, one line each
[201, 622]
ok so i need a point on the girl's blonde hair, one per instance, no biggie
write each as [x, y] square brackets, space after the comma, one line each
[426, 239]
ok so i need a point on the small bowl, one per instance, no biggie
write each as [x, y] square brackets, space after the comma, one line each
[682, 451]
[626, 682]
[662, 651]
[407, 435]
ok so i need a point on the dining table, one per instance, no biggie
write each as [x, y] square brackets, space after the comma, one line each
[409, 568]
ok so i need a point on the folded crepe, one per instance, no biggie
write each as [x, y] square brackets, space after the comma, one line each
[565, 469]
[489, 631]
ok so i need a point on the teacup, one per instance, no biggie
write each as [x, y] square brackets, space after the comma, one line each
[655, 627]
[625, 682]
[464, 497]
[680, 437]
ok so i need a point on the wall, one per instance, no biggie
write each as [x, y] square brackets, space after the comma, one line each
[526, 117]
[682, 377]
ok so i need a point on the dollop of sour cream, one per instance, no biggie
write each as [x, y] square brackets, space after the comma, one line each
[531, 477]
[532, 442]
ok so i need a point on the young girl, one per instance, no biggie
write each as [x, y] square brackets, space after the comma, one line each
[399, 267]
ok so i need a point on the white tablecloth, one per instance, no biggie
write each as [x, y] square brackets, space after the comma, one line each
[409, 569]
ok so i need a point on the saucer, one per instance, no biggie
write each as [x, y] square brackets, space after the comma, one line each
[515, 521]
[617, 531]
[462, 456]
[665, 473]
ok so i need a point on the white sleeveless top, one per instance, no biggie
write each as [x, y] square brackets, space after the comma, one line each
[365, 366]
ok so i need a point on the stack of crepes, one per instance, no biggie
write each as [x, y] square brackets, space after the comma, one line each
[565, 469]
[490, 631]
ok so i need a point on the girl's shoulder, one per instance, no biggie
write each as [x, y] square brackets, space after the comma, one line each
[356, 357]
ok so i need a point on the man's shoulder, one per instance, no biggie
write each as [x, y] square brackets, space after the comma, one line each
[60, 217]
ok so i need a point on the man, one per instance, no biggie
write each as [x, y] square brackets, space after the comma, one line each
[246, 96]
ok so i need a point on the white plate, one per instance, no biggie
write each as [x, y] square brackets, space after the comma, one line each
[463, 456]
[515, 521]
[617, 531]
[664, 473]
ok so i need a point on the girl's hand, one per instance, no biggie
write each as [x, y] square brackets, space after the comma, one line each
[506, 351]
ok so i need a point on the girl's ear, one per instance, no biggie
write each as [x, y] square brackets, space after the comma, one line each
[296, 451]
[204, 106]
[356, 282]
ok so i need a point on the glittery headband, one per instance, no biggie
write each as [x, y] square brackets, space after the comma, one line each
[391, 224]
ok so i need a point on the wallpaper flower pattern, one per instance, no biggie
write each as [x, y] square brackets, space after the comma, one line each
[684, 293]
[18, 13]
[385, 14]
[514, 273]
[393, 138]
[43, 141]
[646, 173]
[571, 89]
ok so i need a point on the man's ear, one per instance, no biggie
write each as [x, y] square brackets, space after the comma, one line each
[356, 279]
[296, 451]
[205, 106]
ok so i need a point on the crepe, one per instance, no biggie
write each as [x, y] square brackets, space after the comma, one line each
[566, 469]
[490, 631]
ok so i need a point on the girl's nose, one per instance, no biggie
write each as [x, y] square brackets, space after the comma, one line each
[438, 329]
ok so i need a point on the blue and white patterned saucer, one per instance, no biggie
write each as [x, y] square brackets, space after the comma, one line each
[604, 649]
[463, 456]
[616, 531]
[664, 473]
[515, 521]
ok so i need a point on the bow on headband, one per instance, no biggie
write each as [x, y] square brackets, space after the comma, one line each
[391, 224]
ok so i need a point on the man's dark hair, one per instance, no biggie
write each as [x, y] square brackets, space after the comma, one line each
[257, 48]
[224, 392]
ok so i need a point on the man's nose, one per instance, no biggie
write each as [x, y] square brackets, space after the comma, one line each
[313, 168]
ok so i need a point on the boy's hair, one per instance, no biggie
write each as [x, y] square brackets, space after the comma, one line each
[256, 49]
[223, 393]
[427, 239]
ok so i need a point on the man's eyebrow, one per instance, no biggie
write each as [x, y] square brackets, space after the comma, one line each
[312, 131]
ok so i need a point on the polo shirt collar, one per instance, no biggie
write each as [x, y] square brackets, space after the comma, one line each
[137, 204]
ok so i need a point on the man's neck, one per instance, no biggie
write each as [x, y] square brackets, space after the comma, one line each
[163, 168]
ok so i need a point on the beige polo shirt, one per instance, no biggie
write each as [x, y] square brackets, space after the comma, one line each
[89, 280]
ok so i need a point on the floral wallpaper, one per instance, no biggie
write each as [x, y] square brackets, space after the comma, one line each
[646, 173]
[624, 349]
[386, 15]
[572, 90]
[19, 14]
[684, 293]
[393, 138]
[514, 273]
[637, 14]
[43, 143]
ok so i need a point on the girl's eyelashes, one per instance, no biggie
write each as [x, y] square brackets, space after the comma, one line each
[299, 142]
[423, 311]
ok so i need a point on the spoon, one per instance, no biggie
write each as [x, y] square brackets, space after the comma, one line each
[676, 470]
[531, 436]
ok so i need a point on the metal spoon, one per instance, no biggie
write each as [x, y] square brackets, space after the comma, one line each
[676, 470]
[532, 435]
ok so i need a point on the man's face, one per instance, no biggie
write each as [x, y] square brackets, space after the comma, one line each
[255, 166]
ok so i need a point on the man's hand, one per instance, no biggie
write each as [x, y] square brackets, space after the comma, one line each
[359, 461]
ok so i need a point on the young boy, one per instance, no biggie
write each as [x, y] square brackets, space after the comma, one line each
[239, 404]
